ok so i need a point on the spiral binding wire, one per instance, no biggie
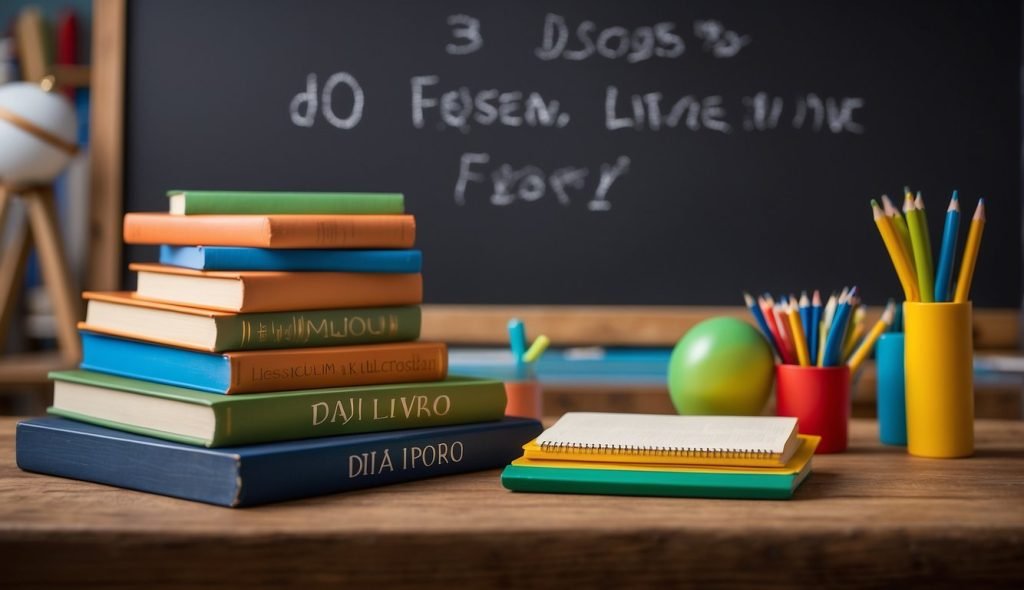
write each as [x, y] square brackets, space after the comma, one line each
[571, 448]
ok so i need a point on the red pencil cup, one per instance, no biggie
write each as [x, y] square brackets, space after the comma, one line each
[525, 398]
[819, 398]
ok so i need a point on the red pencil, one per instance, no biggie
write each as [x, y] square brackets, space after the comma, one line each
[786, 332]
[768, 309]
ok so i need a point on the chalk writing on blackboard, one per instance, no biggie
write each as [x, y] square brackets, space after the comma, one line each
[439, 108]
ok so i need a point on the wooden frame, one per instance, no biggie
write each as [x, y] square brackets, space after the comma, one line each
[477, 324]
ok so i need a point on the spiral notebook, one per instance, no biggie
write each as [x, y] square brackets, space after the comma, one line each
[749, 441]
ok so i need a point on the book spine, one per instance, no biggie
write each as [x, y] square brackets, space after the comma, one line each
[243, 203]
[337, 231]
[406, 456]
[341, 366]
[254, 419]
[278, 231]
[329, 327]
[239, 259]
[361, 261]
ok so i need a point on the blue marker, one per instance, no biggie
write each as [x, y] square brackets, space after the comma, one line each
[517, 342]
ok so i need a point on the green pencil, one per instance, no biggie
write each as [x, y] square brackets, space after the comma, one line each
[922, 259]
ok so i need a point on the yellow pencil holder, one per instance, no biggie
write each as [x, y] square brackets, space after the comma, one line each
[939, 352]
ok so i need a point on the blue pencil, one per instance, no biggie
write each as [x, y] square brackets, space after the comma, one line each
[815, 329]
[837, 333]
[761, 323]
[944, 272]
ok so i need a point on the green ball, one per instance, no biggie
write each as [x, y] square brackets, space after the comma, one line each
[722, 366]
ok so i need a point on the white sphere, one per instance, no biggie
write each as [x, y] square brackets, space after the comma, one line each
[25, 158]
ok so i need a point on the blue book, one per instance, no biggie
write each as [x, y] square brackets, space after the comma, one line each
[232, 258]
[259, 474]
[257, 371]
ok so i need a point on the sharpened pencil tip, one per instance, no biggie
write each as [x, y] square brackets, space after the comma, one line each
[979, 211]
[748, 299]
[956, 195]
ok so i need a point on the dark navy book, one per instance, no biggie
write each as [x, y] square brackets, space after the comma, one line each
[259, 474]
[235, 258]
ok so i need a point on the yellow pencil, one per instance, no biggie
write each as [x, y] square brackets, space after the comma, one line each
[900, 259]
[963, 283]
[799, 340]
[865, 347]
[898, 222]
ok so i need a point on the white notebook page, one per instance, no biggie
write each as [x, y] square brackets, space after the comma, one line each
[649, 431]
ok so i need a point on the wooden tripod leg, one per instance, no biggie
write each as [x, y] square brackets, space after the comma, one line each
[12, 265]
[46, 235]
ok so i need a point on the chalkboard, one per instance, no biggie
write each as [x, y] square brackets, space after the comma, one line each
[601, 152]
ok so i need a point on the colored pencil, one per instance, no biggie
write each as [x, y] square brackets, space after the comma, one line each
[865, 347]
[963, 282]
[919, 204]
[837, 332]
[897, 221]
[767, 309]
[805, 313]
[755, 310]
[855, 332]
[947, 252]
[826, 323]
[900, 259]
[921, 245]
[799, 340]
[786, 334]
[815, 327]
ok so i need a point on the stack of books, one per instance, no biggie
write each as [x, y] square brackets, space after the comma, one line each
[272, 354]
[652, 455]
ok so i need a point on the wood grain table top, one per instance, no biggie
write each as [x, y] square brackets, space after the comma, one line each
[872, 516]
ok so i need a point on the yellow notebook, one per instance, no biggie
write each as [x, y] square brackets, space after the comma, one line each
[801, 458]
[740, 441]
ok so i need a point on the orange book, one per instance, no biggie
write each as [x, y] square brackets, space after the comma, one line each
[271, 231]
[252, 291]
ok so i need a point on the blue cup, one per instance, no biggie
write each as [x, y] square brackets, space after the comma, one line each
[891, 389]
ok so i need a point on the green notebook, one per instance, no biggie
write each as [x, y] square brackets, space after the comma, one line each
[207, 419]
[184, 202]
[626, 479]
[519, 478]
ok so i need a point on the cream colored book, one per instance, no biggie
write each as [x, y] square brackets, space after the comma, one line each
[750, 441]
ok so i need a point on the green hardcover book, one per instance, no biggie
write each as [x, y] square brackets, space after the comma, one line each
[120, 313]
[184, 202]
[615, 482]
[211, 420]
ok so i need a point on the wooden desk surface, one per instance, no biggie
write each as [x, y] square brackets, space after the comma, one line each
[873, 516]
